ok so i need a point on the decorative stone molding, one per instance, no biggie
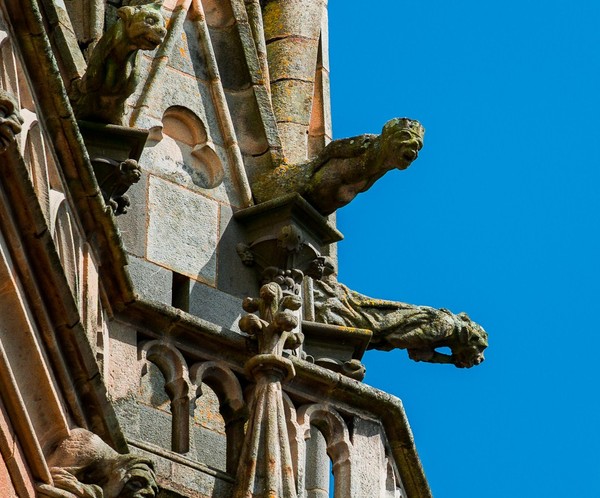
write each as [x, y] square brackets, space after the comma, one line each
[337, 348]
[84, 466]
[10, 120]
[113, 72]
[286, 234]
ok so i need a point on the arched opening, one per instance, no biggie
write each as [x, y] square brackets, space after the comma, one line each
[183, 141]
[35, 158]
[318, 467]
[208, 430]
[328, 446]
[67, 242]
[219, 392]
[155, 407]
[173, 382]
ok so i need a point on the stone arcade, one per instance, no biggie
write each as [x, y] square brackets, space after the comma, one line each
[171, 324]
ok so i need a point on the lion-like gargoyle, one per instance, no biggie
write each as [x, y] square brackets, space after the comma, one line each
[87, 467]
[112, 73]
[345, 168]
[420, 330]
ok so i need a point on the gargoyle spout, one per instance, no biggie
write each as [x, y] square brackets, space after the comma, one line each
[421, 330]
[346, 167]
[113, 73]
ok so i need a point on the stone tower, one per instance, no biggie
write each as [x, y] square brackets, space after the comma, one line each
[171, 324]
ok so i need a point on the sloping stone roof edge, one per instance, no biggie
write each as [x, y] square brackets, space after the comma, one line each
[56, 113]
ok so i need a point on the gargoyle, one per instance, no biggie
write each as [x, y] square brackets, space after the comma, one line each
[87, 467]
[114, 179]
[10, 119]
[345, 168]
[112, 73]
[419, 329]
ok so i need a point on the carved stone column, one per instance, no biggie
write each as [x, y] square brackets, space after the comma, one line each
[266, 467]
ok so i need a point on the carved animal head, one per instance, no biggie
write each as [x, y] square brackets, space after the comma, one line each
[144, 26]
[470, 340]
[82, 463]
[402, 139]
[10, 119]
[131, 477]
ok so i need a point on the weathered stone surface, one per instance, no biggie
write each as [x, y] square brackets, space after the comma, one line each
[294, 136]
[368, 454]
[292, 101]
[233, 277]
[215, 306]
[233, 67]
[317, 471]
[284, 18]
[182, 231]
[150, 280]
[292, 58]
[123, 378]
[248, 125]
[133, 226]
[210, 448]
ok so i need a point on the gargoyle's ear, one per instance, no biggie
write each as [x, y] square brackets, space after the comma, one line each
[126, 13]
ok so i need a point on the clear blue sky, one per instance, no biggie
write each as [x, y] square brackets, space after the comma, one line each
[499, 217]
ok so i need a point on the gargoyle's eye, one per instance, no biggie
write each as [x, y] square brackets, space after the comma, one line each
[151, 21]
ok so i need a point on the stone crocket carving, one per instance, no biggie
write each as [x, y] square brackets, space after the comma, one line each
[87, 467]
[418, 329]
[112, 73]
[10, 119]
[345, 168]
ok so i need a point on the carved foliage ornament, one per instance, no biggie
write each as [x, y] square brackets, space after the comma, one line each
[276, 320]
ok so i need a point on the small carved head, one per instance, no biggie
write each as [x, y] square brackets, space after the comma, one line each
[10, 119]
[402, 140]
[144, 26]
[130, 172]
[245, 254]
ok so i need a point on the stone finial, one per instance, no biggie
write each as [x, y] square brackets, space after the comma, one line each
[87, 467]
[420, 330]
[275, 321]
[10, 119]
[345, 168]
[113, 73]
